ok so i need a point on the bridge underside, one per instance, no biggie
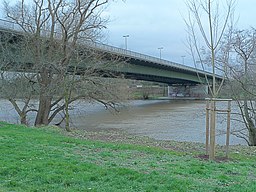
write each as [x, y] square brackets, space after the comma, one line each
[132, 69]
[169, 81]
[127, 71]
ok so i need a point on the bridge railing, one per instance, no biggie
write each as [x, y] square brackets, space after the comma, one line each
[9, 25]
[139, 56]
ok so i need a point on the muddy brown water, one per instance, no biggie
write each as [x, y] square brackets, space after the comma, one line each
[160, 119]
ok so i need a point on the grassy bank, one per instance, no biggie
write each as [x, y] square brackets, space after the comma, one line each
[44, 159]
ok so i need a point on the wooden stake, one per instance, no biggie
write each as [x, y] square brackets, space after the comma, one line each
[228, 128]
[212, 130]
[211, 124]
[207, 128]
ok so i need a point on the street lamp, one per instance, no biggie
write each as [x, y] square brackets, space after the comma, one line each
[160, 52]
[125, 40]
[183, 59]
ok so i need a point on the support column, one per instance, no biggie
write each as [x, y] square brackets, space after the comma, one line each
[178, 91]
[199, 91]
[170, 90]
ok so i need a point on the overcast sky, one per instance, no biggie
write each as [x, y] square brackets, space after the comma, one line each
[152, 24]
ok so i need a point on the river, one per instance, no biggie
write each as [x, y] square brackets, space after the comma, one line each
[159, 119]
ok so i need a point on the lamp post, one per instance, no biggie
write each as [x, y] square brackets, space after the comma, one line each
[183, 59]
[125, 40]
[160, 52]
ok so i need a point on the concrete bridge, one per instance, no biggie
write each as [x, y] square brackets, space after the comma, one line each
[182, 80]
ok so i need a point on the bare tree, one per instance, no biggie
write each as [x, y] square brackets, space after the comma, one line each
[19, 88]
[206, 25]
[241, 78]
[58, 49]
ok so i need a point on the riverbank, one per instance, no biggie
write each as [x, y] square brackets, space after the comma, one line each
[192, 148]
[49, 159]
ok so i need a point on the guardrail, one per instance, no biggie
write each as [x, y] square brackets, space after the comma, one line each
[9, 25]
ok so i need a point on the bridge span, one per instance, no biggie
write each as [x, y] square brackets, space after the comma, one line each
[139, 66]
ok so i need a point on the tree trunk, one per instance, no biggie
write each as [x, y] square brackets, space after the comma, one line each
[67, 113]
[23, 119]
[22, 113]
[45, 100]
[252, 136]
[42, 117]
[252, 132]
[67, 127]
[250, 124]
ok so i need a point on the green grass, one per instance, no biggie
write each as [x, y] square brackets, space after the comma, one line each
[43, 159]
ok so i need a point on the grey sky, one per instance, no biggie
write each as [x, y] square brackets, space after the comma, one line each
[151, 24]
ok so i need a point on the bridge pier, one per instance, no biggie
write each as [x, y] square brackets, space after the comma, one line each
[188, 91]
